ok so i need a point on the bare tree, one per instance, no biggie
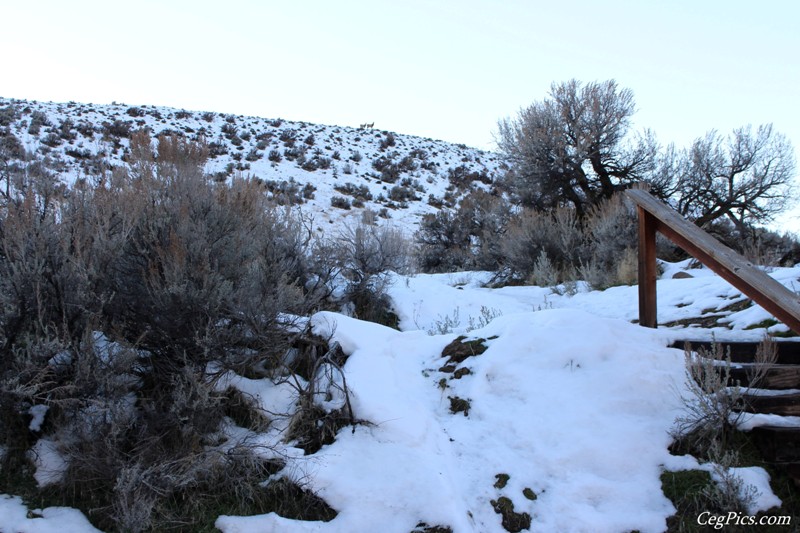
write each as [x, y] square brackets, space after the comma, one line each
[746, 177]
[575, 147]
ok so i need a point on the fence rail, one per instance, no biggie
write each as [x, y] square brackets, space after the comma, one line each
[657, 217]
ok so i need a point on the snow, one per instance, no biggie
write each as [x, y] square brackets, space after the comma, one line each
[571, 404]
[762, 419]
[15, 517]
[423, 302]
[754, 481]
[552, 406]
[37, 413]
[50, 464]
[570, 399]
[757, 479]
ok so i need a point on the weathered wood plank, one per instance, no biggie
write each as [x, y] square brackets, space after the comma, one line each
[777, 377]
[785, 404]
[778, 444]
[738, 271]
[745, 352]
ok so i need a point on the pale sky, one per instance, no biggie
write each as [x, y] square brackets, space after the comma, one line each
[444, 69]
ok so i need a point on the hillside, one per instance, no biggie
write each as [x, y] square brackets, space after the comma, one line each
[401, 177]
[176, 357]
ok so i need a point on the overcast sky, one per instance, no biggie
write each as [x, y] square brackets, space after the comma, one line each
[446, 69]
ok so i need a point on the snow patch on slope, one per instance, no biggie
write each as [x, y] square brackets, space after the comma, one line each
[572, 406]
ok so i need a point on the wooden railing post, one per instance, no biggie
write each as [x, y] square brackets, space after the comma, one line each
[647, 269]
[655, 216]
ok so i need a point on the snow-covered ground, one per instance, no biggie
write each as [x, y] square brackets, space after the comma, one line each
[571, 401]
[570, 404]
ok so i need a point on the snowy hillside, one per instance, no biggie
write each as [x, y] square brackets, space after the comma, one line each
[521, 408]
[398, 176]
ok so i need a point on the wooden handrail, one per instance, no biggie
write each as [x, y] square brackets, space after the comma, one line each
[655, 216]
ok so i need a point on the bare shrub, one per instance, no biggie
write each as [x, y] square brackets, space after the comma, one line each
[443, 244]
[533, 246]
[765, 358]
[387, 141]
[140, 461]
[368, 253]
[324, 406]
[446, 324]
[593, 273]
[599, 248]
[714, 403]
[727, 492]
[38, 119]
[467, 238]
[45, 293]
[182, 275]
[627, 272]
[11, 149]
[543, 272]
[133, 508]
[8, 114]
[611, 240]
[369, 217]
[532, 235]
[200, 262]
[487, 217]
[341, 202]
[710, 406]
